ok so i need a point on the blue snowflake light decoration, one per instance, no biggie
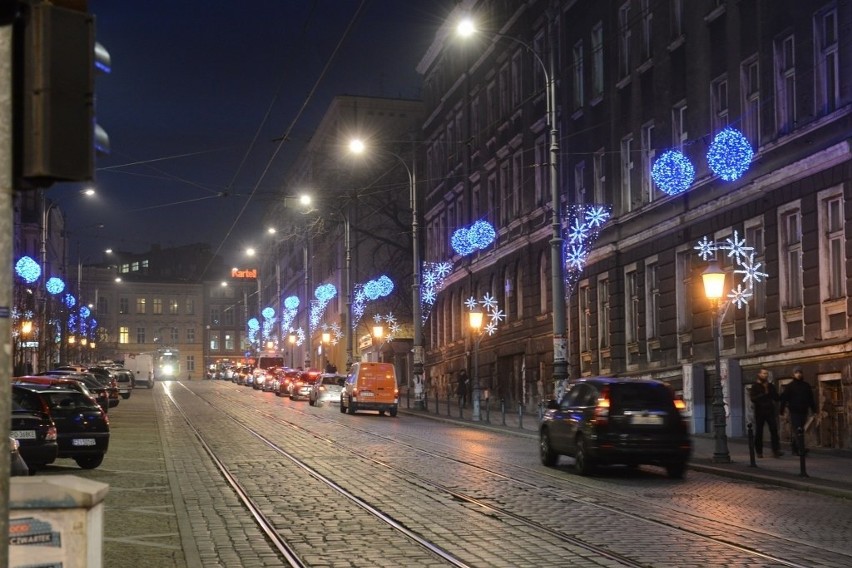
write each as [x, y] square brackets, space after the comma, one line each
[93, 323]
[288, 315]
[393, 326]
[70, 301]
[253, 324]
[291, 302]
[478, 236]
[743, 258]
[730, 154]
[54, 286]
[268, 313]
[335, 331]
[85, 311]
[28, 269]
[583, 228]
[673, 172]
[491, 309]
[323, 294]
[367, 292]
[434, 274]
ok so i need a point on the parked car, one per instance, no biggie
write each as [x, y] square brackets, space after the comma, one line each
[107, 377]
[285, 382]
[603, 421]
[370, 386]
[301, 385]
[34, 430]
[125, 380]
[88, 386]
[18, 465]
[326, 389]
[82, 427]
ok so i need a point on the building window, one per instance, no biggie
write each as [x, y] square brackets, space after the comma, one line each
[584, 317]
[173, 336]
[541, 169]
[785, 84]
[626, 174]
[157, 305]
[214, 341]
[597, 61]
[173, 306]
[791, 261]
[493, 207]
[652, 299]
[123, 306]
[190, 363]
[505, 197]
[229, 342]
[578, 75]
[538, 71]
[679, 127]
[215, 315]
[648, 155]
[228, 316]
[832, 263]
[603, 313]
[517, 183]
[757, 303]
[190, 335]
[140, 335]
[600, 176]
[517, 79]
[683, 298]
[647, 29]
[631, 304]
[505, 94]
[125, 268]
[827, 64]
[750, 82]
[580, 183]
[519, 292]
[719, 100]
[134, 266]
[676, 18]
[140, 305]
[624, 41]
[123, 334]
[103, 306]
[542, 283]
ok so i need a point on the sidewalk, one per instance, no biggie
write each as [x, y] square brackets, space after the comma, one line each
[829, 472]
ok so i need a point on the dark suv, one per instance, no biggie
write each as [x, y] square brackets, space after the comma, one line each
[603, 421]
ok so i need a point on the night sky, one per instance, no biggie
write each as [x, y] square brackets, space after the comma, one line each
[200, 93]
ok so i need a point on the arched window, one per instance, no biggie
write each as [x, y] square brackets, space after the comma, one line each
[542, 283]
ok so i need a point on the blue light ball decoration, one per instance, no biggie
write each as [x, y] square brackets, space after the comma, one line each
[673, 172]
[291, 302]
[730, 154]
[378, 288]
[70, 301]
[253, 324]
[54, 286]
[28, 269]
[85, 311]
[466, 241]
[325, 292]
[460, 242]
[268, 313]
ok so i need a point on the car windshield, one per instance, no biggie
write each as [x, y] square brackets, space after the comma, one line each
[640, 396]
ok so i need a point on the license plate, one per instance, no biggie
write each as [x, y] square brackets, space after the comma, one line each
[83, 442]
[23, 434]
[367, 394]
[650, 420]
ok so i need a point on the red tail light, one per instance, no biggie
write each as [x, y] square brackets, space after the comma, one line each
[680, 404]
[51, 434]
[601, 414]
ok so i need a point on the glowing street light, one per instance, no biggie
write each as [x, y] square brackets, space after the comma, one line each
[714, 289]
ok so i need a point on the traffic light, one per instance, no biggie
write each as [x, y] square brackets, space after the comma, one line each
[56, 57]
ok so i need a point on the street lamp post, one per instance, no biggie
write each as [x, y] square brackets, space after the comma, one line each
[378, 335]
[475, 320]
[561, 358]
[714, 289]
[358, 147]
[292, 339]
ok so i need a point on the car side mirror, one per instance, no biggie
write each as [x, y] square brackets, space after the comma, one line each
[552, 404]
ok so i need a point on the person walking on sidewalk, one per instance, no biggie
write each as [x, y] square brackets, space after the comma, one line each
[799, 398]
[763, 396]
[461, 388]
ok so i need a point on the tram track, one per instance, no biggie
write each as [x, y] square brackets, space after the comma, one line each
[557, 493]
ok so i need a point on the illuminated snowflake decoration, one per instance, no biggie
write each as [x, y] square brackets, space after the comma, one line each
[93, 323]
[253, 324]
[268, 313]
[300, 335]
[673, 172]
[28, 269]
[54, 286]
[323, 294]
[478, 236]
[492, 310]
[730, 154]
[70, 301]
[368, 292]
[434, 274]
[288, 314]
[268, 327]
[743, 258]
[392, 326]
[85, 311]
[583, 228]
[334, 331]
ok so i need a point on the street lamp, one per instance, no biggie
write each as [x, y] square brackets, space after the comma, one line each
[378, 335]
[292, 339]
[475, 318]
[357, 146]
[714, 289]
[466, 28]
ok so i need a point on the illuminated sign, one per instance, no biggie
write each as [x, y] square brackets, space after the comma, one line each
[244, 273]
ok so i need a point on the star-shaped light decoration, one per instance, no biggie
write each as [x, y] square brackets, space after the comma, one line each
[743, 258]
[582, 230]
[432, 280]
[492, 310]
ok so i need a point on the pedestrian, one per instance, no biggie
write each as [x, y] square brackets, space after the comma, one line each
[461, 388]
[799, 398]
[764, 396]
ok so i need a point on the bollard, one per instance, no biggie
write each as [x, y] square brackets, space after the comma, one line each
[487, 410]
[752, 463]
[408, 398]
[503, 411]
[520, 415]
[800, 443]
[449, 403]
[437, 407]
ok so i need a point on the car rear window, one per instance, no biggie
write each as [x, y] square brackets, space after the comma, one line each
[640, 396]
[331, 380]
[70, 400]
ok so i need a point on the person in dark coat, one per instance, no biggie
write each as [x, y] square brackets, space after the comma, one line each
[461, 388]
[799, 398]
[763, 396]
